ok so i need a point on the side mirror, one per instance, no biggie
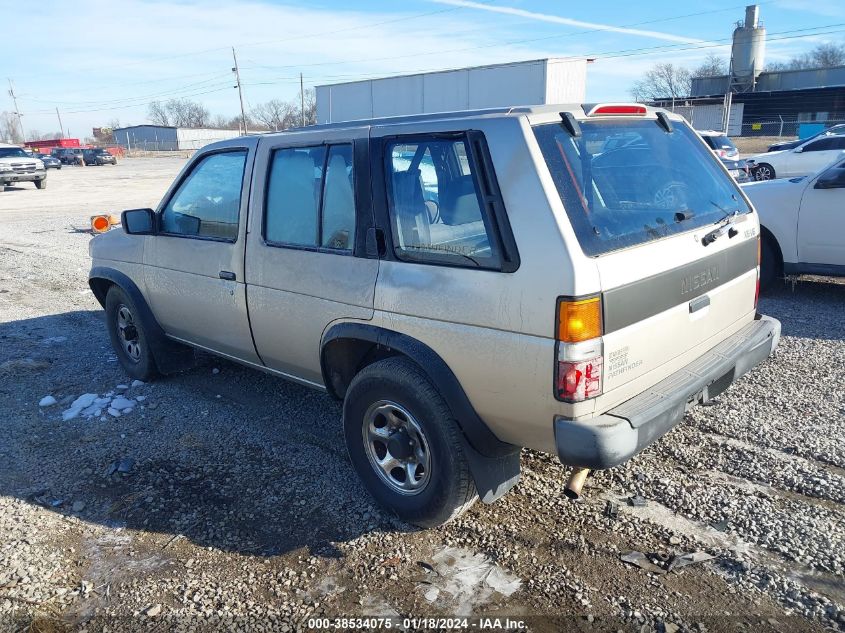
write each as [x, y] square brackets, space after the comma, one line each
[833, 179]
[139, 221]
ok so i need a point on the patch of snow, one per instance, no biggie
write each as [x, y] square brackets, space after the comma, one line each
[47, 401]
[53, 340]
[114, 412]
[138, 383]
[122, 403]
[82, 402]
[469, 579]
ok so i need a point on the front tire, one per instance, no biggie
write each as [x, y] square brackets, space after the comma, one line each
[41, 184]
[129, 336]
[764, 171]
[405, 444]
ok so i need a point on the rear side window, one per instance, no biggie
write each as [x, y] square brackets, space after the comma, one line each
[720, 142]
[311, 198]
[208, 201]
[436, 209]
[653, 185]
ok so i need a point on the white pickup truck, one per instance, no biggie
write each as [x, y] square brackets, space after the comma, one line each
[18, 166]
[802, 223]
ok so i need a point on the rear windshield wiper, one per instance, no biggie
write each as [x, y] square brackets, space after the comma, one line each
[726, 225]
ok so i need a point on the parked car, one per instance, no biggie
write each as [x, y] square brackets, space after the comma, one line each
[18, 166]
[835, 130]
[569, 299]
[68, 155]
[721, 145]
[49, 161]
[802, 223]
[98, 156]
[803, 160]
[738, 169]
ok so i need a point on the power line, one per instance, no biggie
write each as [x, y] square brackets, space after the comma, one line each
[172, 91]
[632, 52]
[247, 44]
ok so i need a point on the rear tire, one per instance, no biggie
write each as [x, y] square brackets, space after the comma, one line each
[129, 336]
[764, 171]
[41, 184]
[393, 414]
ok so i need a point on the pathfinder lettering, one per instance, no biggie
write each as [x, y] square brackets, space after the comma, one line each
[704, 278]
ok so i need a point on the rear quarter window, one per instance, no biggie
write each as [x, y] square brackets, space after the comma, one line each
[626, 182]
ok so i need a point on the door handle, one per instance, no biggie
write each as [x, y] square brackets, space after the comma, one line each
[227, 275]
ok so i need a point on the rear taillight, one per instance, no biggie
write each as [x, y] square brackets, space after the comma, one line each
[578, 366]
[577, 381]
[721, 153]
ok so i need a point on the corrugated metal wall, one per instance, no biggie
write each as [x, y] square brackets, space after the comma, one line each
[147, 137]
[195, 138]
[533, 82]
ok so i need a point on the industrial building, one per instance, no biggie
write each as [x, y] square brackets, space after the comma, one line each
[167, 138]
[534, 82]
[763, 103]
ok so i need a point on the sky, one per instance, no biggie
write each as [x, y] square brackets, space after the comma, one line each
[102, 61]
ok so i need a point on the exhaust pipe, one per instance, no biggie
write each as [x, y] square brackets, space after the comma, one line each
[576, 480]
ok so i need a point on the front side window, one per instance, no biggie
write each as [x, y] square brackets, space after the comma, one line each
[652, 185]
[435, 205]
[311, 198]
[208, 201]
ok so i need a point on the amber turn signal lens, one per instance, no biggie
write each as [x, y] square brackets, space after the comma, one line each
[579, 320]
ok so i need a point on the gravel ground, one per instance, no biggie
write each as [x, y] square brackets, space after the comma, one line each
[225, 499]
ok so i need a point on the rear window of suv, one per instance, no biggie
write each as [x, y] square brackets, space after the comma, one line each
[719, 142]
[625, 182]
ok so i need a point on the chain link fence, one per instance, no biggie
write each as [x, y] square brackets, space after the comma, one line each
[783, 129]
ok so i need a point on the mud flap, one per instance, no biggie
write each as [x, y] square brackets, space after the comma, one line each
[493, 476]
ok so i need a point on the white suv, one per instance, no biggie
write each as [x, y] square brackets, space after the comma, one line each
[467, 283]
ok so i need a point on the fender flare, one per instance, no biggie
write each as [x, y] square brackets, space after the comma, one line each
[494, 464]
[169, 356]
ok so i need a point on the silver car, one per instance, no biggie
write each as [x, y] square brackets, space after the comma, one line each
[467, 284]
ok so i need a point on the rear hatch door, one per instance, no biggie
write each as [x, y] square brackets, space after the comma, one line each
[674, 240]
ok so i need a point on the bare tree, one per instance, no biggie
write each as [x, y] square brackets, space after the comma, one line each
[178, 113]
[310, 107]
[181, 112]
[157, 113]
[10, 131]
[274, 114]
[822, 56]
[712, 66]
[662, 81]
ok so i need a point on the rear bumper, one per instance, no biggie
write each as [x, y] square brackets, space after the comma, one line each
[614, 437]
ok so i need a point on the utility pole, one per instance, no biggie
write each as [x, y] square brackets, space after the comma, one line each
[240, 89]
[302, 99]
[17, 111]
[61, 127]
